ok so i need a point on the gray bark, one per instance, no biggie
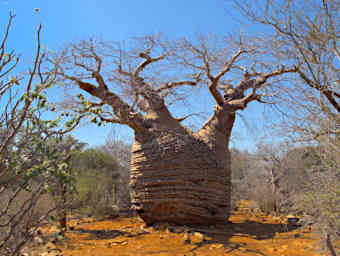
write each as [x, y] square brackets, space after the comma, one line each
[181, 177]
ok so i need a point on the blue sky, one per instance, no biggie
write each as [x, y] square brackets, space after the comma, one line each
[67, 20]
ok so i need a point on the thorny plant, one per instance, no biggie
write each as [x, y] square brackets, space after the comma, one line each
[29, 165]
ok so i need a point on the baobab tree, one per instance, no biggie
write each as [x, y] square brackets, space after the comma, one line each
[177, 175]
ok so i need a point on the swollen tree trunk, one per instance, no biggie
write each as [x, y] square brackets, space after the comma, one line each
[176, 175]
[181, 177]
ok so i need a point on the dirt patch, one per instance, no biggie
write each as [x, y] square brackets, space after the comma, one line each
[244, 235]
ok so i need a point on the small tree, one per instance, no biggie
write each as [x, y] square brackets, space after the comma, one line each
[98, 173]
[62, 186]
[30, 169]
[26, 161]
[116, 146]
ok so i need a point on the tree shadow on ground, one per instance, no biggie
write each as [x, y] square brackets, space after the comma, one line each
[219, 234]
[222, 234]
[260, 230]
[101, 234]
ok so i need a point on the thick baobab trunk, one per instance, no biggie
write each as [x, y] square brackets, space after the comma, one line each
[181, 177]
[176, 176]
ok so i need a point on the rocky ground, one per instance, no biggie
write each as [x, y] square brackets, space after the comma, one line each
[247, 234]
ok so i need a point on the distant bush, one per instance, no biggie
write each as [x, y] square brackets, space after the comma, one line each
[98, 184]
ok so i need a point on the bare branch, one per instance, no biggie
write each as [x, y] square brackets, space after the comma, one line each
[4, 40]
[148, 60]
[323, 89]
[256, 83]
[4, 63]
[181, 119]
[111, 120]
[134, 103]
[204, 56]
[94, 72]
[122, 109]
[331, 99]
[6, 58]
[242, 103]
[336, 94]
[258, 99]
[122, 72]
[100, 80]
[216, 94]
[270, 95]
[229, 65]
[28, 101]
[171, 85]
[214, 80]
[97, 58]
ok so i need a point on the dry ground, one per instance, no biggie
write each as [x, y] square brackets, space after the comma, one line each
[246, 235]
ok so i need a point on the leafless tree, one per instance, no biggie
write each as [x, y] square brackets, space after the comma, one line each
[14, 112]
[118, 146]
[306, 33]
[177, 175]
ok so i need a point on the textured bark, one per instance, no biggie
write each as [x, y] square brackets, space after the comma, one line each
[181, 177]
[176, 175]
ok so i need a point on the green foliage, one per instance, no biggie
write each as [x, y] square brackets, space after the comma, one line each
[31, 163]
[97, 180]
[31, 167]
[95, 160]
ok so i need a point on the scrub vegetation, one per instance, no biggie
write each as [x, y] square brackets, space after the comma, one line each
[176, 179]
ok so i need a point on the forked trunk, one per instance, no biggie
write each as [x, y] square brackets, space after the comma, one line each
[176, 175]
[181, 177]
